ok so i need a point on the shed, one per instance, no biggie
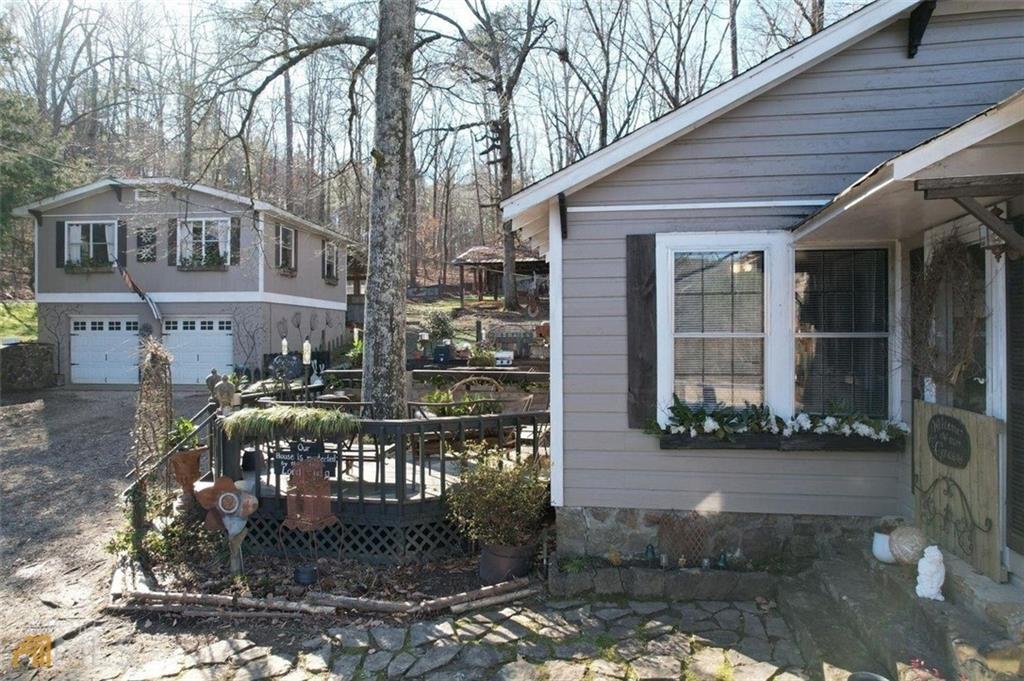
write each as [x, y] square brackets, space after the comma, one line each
[488, 266]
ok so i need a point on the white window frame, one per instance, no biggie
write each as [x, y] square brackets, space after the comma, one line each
[111, 247]
[331, 260]
[280, 248]
[779, 346]
[779, 314]
[893, 273]
[185, 226]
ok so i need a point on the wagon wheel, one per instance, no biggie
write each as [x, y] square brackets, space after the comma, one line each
[476, 384]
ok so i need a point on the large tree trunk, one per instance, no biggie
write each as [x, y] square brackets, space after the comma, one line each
[384, 342]
[508, 276]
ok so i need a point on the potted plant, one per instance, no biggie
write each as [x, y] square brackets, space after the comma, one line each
[503, 507]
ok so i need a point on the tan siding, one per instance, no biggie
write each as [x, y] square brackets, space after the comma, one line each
[808, 138]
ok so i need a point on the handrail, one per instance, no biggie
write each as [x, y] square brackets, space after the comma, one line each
[158, 459]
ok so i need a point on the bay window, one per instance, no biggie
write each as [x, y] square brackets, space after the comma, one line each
[92, 243]
[203, 242]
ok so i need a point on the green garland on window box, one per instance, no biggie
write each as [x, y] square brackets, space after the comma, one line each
[210, 262]
[88, 265]
[755, 427]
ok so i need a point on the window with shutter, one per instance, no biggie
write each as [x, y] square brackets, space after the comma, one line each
[842, 331]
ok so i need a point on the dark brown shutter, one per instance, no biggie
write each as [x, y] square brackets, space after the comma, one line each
[60, 243]
[277, 244]
[236, 240]
[172, 241]
[641, 330]
[1015, 405]
[122, 242]
[295, 250]
[323, 258]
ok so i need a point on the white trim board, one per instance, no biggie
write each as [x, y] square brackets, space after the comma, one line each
[556, 363]
[706, 205]
[193, 297]
[713, 104]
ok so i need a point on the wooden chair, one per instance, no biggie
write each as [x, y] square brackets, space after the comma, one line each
[309, 501]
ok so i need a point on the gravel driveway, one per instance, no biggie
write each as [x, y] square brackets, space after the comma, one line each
[62, 466]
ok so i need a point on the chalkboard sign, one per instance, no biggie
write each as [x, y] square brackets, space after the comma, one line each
[287, 366]
[299, 451]
[949, 441]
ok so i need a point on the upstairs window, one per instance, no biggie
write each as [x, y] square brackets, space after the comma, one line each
[203, 242]
[331, 262]
[718, 327]
[842, 332]
[90, 243]
[285, 248]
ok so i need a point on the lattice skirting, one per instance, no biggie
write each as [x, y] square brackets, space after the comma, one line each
[397, 542]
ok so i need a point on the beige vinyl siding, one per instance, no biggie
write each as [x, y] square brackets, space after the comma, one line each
[808, 138]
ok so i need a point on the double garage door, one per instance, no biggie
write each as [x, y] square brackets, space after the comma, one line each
[106, 349]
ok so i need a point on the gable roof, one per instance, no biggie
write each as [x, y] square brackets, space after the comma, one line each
[105, 183]
[710, 105]
[491, 255]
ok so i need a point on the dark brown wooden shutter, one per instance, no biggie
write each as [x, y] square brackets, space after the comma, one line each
[1015, 404]
[323, 258]
[295, 250]
[122, 242]
[641, 330]
[60, 243]
[236, 240]
[172, 241]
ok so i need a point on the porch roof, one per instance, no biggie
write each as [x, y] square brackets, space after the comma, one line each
[979, 159]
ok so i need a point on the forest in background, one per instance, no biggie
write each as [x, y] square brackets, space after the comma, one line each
[275, 99]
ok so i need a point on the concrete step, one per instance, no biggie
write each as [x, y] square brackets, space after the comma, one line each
[829, 645]
[889, 630]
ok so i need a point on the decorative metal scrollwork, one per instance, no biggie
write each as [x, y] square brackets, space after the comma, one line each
[938, 502]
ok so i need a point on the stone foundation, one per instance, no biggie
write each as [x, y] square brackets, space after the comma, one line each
[680, 584]
[26, 366]
[757, 538]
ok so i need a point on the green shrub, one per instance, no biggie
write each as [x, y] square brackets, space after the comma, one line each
[355, 354]
[440, 325]
[183, 433]
[289, 421]
[504, 506]
[481, 357]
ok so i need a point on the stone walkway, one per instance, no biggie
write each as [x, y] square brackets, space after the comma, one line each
[552, 640]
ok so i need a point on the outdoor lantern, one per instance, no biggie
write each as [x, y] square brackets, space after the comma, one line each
[307, 352]
[284, 346]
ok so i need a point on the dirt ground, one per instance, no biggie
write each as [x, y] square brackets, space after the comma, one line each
[62, 464]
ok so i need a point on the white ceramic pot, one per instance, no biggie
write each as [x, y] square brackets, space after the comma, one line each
[880, 548]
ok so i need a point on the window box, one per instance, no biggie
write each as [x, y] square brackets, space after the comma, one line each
[739, 441]
[331, 281]
[289, 272]
[74, 268]
[185, 267]
[798, 442]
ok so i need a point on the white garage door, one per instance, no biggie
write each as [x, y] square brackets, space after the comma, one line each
[198, 344]
[105, 350]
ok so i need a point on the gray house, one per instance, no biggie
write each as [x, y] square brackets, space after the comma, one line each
[756, 246]
[221, 278]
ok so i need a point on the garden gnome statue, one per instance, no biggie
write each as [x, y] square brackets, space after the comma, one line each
[211, 383]
[931, 573]
[224, 392]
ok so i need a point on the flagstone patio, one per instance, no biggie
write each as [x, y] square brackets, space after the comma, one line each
[538, 639]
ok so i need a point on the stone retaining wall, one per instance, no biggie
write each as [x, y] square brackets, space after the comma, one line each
[26, 366]
[681, 584]
[755, 537]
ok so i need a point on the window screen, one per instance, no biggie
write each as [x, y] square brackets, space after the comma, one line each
[719, 328]
[842, 331]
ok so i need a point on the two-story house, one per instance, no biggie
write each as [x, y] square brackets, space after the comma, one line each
[220, 277]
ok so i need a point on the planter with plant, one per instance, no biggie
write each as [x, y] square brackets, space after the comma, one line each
[504, 507]
[211, 261]
[88, 265]
[481, 357]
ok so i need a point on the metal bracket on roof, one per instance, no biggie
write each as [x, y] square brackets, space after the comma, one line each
[562, 217]
[918, 23]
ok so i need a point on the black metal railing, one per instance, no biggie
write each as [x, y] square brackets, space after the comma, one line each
[392, 467]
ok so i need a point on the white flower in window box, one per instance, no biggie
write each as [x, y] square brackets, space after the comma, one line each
[710, 425]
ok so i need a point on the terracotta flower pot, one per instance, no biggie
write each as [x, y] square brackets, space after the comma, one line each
[501, 563]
